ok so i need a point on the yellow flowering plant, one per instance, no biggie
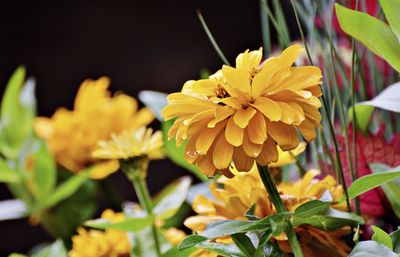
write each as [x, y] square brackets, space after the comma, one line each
[277, 176]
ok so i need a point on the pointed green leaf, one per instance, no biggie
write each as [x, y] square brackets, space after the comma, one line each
[391, 8]
[191, 241]
[363, 116]
[244, 243]
[395, 236]
[228, 250]
[368, 182]
[7, 175]
[129, 224]
[372, 32]
[55, 249]
[382, 237]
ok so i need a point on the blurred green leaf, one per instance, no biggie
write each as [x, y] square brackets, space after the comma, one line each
[371, 249]
[315, 207]
[67, 188]
[368, 182]
[381, 237]
[388, 99]
[372, 32]
[155, 101]
[129, 224]
[363, 116]
[143, 247]
[62, 219]
[191, 241]
[176, 153]
[7, 175]
[18, 108]
[244, 243]
[395, 236]
[228, 250]
[392, 14]
[174, 252]
[55, 249]
[44, 170]
[171, 198]
[17, 255]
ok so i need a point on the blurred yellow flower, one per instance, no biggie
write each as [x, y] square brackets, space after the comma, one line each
[135, 143]
[108, 243]
[73, 135]
[233, 197]
[242, 114]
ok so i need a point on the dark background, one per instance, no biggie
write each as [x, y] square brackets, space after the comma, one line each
[140, 45]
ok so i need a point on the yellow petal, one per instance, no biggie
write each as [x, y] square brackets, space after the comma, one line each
[269, 108]
[289, 55]
[243, 116]
[206, 138]
[103, 169]
[285, 135]
[241, 160]
[237, 78]
[258, 129]
[249, 60]
[233, 133]
[302, 77]
[261, 79]
[269, 153]
[221, 113]
[251, 149]
[222, 154]
[307, 129]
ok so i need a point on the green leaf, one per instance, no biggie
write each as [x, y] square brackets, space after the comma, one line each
[171, 198]
[55, 249]
[17, 255]
[228, 250]
[371, 249]
[368, 182]
[363, 116]
[381, 237]
[155, 101]
[388, 99]
[18, 108]
[191, 241]
[176, 153]
[129, 224]
[7, 175]
[311, 208]
[67, 188]
[44, 170]
[392, 14]
[372, 32]
[62, 219]
[395, 236]
[244, 243]
[174, 252]
[318, 214]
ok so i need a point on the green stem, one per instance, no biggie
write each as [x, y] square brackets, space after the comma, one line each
[280, 207]
[136, 171]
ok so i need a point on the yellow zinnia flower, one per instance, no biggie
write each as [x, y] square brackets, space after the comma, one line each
[73, 135]
[135, 143]
[107, 243]
[242, 114]
[233, 197]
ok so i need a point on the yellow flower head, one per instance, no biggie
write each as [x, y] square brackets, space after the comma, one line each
[135, 143]
[234, 197]
[108, 243]
[73, 135]
[242, 114]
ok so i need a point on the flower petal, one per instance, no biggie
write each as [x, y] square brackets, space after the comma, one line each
[206, 138]
[251, 149]
[284, 135]
[269, 153]
[233, 133]
[307, 129]
[237, 78]
[258, 129]
[241, 160]
[222, 154]
[289, 55]
[269, 108]
[243, 116]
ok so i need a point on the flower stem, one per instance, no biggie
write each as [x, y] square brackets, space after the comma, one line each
[136, 172]
[280, 207]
